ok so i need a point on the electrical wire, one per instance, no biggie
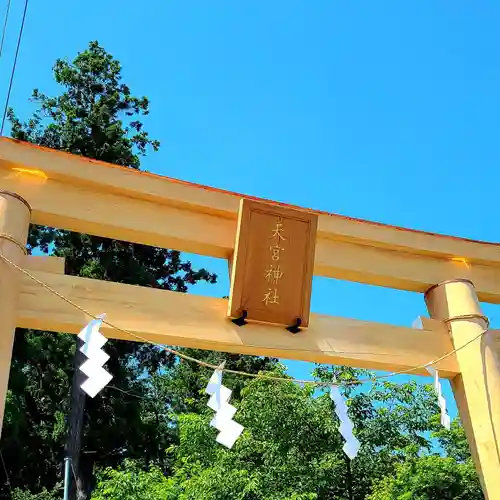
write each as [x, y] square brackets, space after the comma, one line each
[238, 372]
[4, 30]
[128, 393]
[6, 472]
[14, 65]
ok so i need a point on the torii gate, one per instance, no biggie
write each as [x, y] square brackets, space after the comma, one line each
[70, 192]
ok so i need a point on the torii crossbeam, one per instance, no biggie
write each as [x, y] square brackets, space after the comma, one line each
[70, 192]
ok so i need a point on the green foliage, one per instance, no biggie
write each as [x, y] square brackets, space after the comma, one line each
[430, 478]
[449, 477]
[454, 441]
[88, 117]
[34, 424]
[291, 448]
[54, 494]
[183, 384]
[96, 115]
[130, 482]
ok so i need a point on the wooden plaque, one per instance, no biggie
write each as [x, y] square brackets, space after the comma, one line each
[272, 267]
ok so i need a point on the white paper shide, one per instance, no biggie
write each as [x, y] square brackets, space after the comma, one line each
[352, 445]
[98, 377]
[445, 418]
[229, 430]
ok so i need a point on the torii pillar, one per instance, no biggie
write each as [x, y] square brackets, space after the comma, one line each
[15, 214]
[477, 387]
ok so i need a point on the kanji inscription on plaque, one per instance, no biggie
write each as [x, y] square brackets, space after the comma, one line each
[272, 266]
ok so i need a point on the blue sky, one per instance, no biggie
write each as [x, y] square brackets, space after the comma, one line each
[387, 111]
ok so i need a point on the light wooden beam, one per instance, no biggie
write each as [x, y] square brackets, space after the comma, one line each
[194, 321]
[477, 387]
[55, 265]
[44, 263]
[75, 193]
[14, 226]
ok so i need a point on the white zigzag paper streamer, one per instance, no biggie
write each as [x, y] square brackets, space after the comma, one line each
[445, 418]
[418, 324]
[352, 445]
[229, 430]
[98, 377]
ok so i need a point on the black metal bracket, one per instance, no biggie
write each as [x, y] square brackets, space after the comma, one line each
[241, 321]
[296, 327]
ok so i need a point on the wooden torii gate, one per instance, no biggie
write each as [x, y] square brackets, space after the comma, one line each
[70, 192]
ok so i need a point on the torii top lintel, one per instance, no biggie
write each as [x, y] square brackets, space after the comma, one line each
[79, 194]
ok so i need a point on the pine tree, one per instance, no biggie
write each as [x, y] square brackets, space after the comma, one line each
[96, 116]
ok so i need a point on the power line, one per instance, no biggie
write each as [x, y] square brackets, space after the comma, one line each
[14, 66]
[4, 26]
[6, 472]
